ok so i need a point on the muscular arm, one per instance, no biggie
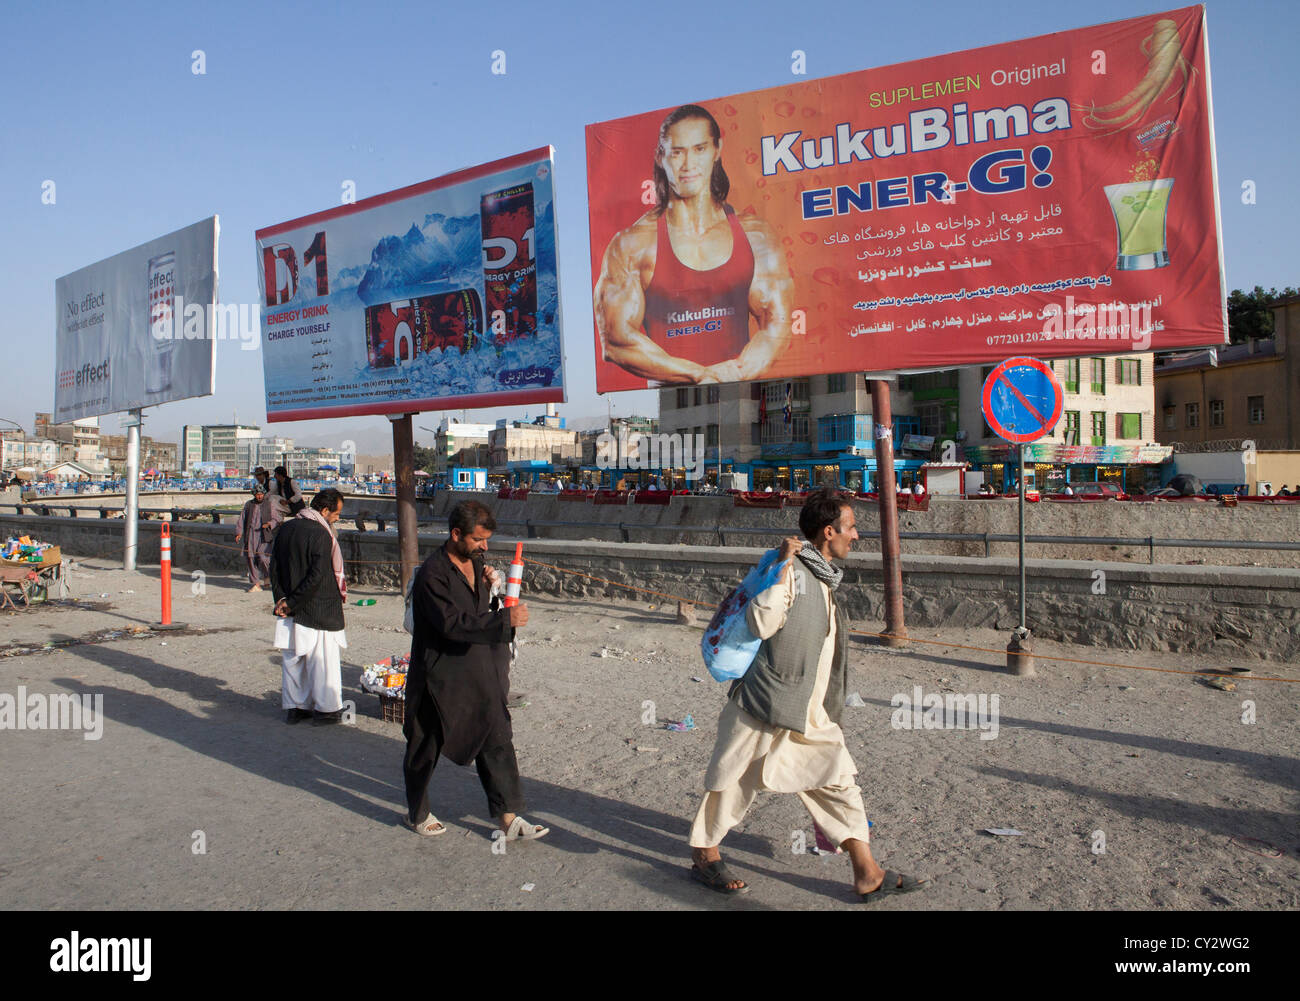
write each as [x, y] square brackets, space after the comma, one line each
[770, 297]
[620, 311]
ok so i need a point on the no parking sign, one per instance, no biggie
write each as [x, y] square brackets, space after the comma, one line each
[1022, 400]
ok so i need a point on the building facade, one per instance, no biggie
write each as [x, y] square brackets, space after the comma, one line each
[192, 446]
[1107, 430]
[1250, 392]
[515, 443]
[797, 434]
[303, 462]
[791, 434]
[457, 444]
[159, 455]
[222, 443]
[75, 441]
[267, 452]
[17, 451]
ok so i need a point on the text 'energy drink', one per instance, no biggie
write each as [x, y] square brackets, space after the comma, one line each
[510, 263]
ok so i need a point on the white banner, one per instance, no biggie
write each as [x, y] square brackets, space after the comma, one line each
[137, 329]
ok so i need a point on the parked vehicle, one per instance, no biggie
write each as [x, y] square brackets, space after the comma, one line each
[1095, 491]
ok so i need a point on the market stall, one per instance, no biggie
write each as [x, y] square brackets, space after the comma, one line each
[27, 569]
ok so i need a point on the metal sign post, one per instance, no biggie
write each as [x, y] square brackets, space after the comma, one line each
[131, 514]
[1020, 456]
[1022, 401]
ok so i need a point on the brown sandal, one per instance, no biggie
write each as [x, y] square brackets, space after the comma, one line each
[715, 875]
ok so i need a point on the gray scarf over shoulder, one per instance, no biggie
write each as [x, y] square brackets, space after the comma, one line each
[823, 571]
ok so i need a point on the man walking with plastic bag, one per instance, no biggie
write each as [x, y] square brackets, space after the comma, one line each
[779, 731]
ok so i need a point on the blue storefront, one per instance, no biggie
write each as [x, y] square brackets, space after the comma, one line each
[1134, 469]
[845, 457]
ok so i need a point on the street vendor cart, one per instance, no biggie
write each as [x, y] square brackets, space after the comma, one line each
[30, 581]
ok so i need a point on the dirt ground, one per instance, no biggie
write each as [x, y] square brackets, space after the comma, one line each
[1131, 788]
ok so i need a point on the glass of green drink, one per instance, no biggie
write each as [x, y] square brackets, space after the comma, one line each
[1139, 209]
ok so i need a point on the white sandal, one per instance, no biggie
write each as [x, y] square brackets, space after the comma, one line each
[430, 827]
[523, 830]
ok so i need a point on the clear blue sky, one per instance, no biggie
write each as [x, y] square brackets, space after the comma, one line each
[298, 97]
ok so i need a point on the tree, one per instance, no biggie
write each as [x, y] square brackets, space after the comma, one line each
[425, 458]
[1249, 315]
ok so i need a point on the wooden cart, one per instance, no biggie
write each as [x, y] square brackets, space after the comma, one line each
[31, 581]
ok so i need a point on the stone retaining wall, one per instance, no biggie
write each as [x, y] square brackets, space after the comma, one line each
[704, 521]
[1235, 613]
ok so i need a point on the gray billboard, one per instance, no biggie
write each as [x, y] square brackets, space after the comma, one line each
[138, 329]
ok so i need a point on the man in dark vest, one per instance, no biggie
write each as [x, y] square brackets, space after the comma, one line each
[458, 684]
[780, 729]
[288, 490]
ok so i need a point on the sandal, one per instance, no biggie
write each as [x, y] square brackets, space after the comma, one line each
[893, 883]
[522, 830]
[429, 827]
[715, 875]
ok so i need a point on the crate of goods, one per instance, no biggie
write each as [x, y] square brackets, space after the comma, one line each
[27, 552]
[387, 679]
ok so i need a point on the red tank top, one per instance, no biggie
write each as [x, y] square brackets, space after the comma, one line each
[702, 316]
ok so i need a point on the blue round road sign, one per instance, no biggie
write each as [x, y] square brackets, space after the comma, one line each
[1022, 400]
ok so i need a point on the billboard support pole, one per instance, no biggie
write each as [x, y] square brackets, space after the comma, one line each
[404, 473]
[131, 514]
[887, 500]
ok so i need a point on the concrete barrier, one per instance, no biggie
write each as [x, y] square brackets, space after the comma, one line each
[1233, 612]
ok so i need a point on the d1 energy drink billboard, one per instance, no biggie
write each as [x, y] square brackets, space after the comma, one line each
[440, 295]
[1055, 195]
[138, 329]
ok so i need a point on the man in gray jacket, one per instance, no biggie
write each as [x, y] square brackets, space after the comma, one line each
[780, 729]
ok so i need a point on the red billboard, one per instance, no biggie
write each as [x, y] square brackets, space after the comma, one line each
[1055, 195]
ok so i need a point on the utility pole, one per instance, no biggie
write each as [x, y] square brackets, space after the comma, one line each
[404, 490]
[887, 501]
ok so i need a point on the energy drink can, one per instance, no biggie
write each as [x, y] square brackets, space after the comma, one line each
[162, 322]
[388, 326]
[510, 263]
[397, 331]
[449, 320]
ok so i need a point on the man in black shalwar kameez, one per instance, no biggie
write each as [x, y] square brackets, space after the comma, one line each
[458, 683]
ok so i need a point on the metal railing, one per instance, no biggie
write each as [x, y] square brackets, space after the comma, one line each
[721, 532]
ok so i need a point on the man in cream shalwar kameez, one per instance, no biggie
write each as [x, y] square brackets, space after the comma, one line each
[807, 755]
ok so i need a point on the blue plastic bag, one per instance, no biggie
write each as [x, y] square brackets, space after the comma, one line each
[728, 645]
